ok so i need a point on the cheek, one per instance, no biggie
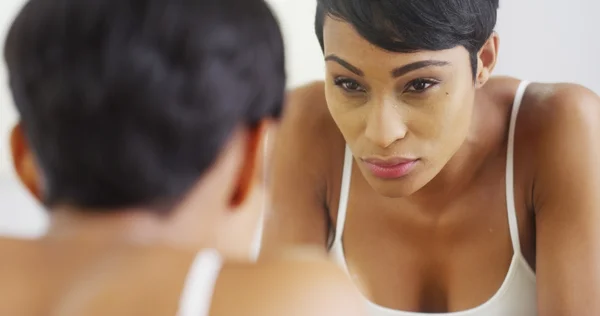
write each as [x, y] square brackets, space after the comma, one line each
[455, 123]
[443, 122]
[349, 117]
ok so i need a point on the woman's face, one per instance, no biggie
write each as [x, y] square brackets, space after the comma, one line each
[403, 115]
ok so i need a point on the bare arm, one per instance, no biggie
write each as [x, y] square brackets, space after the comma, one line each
[567, 203]
[298, 178]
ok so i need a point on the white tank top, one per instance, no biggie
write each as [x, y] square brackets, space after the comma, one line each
[517, 294]
[197, 293]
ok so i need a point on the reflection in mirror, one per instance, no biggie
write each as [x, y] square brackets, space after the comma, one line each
[446, 161]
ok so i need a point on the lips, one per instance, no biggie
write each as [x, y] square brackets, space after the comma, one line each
[390, 168]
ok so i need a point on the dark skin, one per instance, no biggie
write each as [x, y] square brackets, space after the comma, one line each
[73, 278]
[135, 262]
[438, 240]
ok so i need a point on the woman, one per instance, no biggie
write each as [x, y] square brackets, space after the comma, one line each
[141, 123]
[439, 188]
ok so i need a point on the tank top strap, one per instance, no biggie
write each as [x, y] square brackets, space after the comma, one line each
[344, 195]
[510, 190]
[199, 285]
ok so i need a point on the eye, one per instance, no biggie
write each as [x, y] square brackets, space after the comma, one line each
[420, 85]
[348, 85]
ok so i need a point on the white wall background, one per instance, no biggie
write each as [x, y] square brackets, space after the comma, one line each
[541, 40]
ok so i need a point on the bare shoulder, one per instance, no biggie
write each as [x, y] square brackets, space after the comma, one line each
[303, 284]
[550, 107]
[306, 167]
[22, 276]
[564, 96]
[308, 120]
[564, 125]
[308, 98]
[22, 261]
[308, 128]
[558, 122]
[307, 113]
[547, 104]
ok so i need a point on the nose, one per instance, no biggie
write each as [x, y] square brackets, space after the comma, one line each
[385, 125]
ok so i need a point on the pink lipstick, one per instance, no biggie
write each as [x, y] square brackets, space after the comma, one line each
[390, 168]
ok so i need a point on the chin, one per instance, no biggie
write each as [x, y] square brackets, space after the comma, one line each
[394, 188]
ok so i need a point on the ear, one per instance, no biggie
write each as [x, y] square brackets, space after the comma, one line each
[486, 60]
[24, 162]
[253, 161]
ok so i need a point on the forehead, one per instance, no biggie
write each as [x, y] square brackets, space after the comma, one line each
[339, 34]
[342, 39]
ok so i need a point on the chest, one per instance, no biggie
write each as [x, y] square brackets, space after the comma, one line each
[442, 260]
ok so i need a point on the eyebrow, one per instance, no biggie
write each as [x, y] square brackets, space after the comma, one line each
[344, 64]
[395, 73]
[401, 71]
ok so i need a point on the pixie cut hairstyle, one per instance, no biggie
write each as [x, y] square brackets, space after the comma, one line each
[126, 103]
[407, 26]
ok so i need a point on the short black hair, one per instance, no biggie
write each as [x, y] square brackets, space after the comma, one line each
[126, 103]
[407, 26]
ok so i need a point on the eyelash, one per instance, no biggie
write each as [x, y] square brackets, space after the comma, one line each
[430, 83]
[344, 82]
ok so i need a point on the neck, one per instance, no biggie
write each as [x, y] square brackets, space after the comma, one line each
[115, 227]
[186, 228]
[484, 140]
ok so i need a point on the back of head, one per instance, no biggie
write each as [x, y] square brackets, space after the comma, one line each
[126, 103]
[407, 26]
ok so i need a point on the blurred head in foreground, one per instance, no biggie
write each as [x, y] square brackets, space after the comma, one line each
[147, 112]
